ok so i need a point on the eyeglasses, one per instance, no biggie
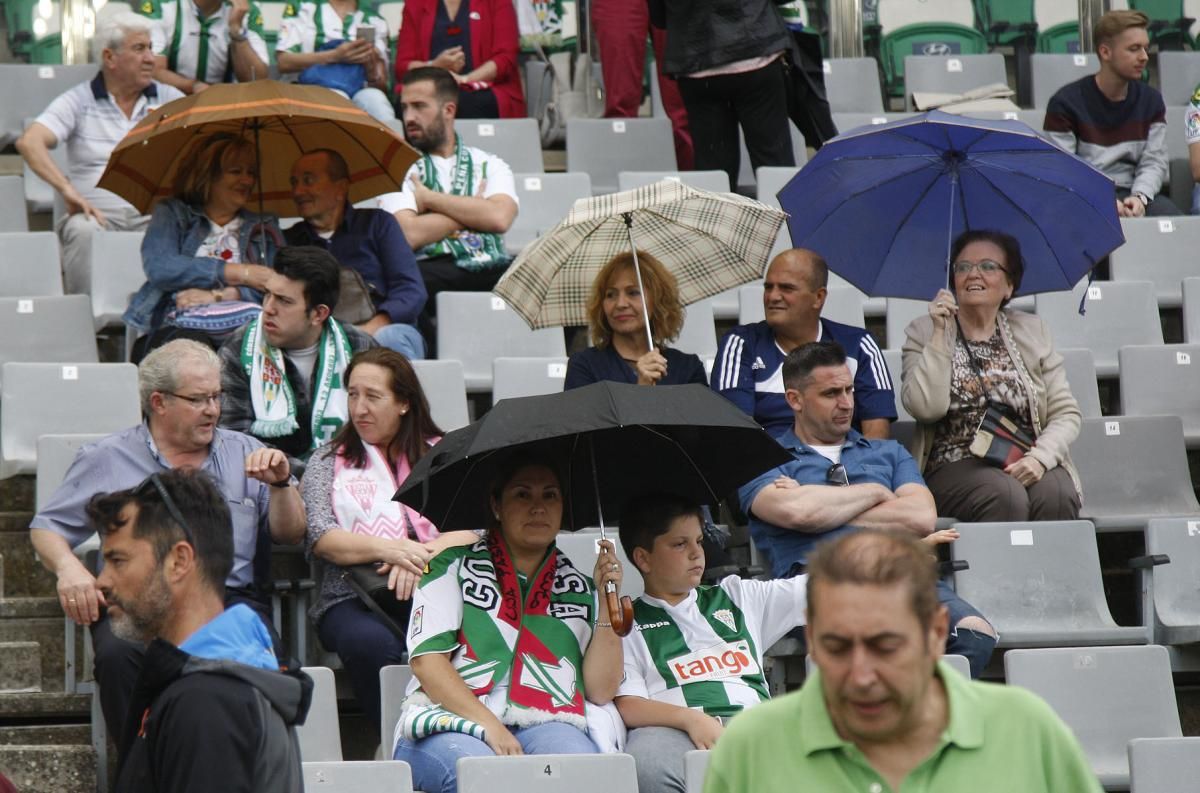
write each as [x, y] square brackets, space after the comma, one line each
[836, 475]
[200, 400]
[987, 267]
[154, 481]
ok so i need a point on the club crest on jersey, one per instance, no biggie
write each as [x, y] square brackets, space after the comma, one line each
[725, 617]
[719, 662]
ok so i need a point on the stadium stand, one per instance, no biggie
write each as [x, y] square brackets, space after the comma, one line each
[1173, 609]
[578, 773]
[518, 377]
[514, 140]
[362, 776]
[545, 199]
[603, 147]
[26, 89]
[1159, 250]
[478, 327]
[1163, 380]
[951, 74]
[918, 28]
[1118, 313]
[1163, 765]
[1058, 26]
[31, 263]
[320, 736]
[47, 329]
[445, 388]
[852, 85]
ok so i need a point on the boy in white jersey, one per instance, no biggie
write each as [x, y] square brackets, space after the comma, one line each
[695, 655]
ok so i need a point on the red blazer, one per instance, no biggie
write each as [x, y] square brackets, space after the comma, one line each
[493, 38]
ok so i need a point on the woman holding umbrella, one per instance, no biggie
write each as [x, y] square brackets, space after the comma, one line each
[617, 315]
[507, 638]
[973, 367]
[204, 247]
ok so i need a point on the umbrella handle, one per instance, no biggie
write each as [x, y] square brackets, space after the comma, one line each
[620, 611]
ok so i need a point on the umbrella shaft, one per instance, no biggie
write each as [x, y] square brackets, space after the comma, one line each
[637, 271]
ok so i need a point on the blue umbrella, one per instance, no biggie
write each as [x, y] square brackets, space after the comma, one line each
[883, 203]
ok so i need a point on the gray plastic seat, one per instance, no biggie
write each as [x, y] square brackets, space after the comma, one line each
[31, 267]
[26, 89]
[771, 179]
[545, 199]
[1118, 313]
[1051, 71]
[520, 377]
[1176, 594]
[900, 312]
[362, 776]
[747, 177]
[713, 181]
[55, 453]
[1080, 366]
[1191, 310]
[446, 391]
[925, 73]
[1164, 765]
[1133, 468]
[47, 399]
[1106, 695]
[1159, 250]
[852, 85]
[580, 547]
[603, 147]
[1178, 74]
[116, 273]
[548, 773]
[699, 333]
[725, 306]
[320, 735]
[47, 330]
[842, 304]
[393, 682]
[478, 327]
[845, 122]
[894, 361]
[1163, 380]
[695, 768]
[517, 141]
[12, 204]
[1038, 583]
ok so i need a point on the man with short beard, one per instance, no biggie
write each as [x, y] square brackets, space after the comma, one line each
[211, 710]
[457, 200]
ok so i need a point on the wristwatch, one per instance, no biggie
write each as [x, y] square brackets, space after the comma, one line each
[1145, 199]
[236, 38]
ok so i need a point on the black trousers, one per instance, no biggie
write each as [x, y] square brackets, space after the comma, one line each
[757, 101]
[441, 274]
[365, 646]
[119, 662]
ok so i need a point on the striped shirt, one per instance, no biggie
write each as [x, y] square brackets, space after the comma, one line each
[308, 25]
[749, 372]
[706, 651]
[198, 47]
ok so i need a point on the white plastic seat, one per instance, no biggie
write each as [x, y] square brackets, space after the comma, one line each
[478, 327]
[1178, 74]
[1174, 608]
[55, 453]
[519, 377]
[545, 200]
[893, 359]
[26, 89]
[31, 267]
[548, 773]
[699, 333]
[320, 736]
[953, 74]
[48, 399]
[1191, 310]
[47, 330]
[852, 85]
[581, 548]
[695, 769]
[446, 391]
[1080, 367]
[1051, 71]
[514, 140]
[393, 681]
[1163, 380]
[1117, 313]
[1164, 765]
[713, 181]
[1159, 250]
[12, 204]
[363, 776]
[116, 273]
[603, 147]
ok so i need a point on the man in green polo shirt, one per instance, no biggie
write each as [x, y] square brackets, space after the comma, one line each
[881, 713]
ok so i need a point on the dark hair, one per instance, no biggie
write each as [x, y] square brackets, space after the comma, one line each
[316, 269]
[1114, 23]
[871, 557]
[800, 362]
[192, 493]
[416, 427]
[514, 462]
[445, 87]
[205, 163]
[1014, 262]
[646, 517]
[335, 165]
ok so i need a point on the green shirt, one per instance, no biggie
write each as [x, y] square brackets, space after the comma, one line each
[999, 739]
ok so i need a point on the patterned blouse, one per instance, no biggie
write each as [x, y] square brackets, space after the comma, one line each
[968, 400]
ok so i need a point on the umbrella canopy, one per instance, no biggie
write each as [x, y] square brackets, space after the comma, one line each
[285, 119]
[883, 203]
[683, 439]
[709, 241]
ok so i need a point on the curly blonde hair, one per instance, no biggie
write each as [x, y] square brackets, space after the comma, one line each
[666, 312]
[205, 163]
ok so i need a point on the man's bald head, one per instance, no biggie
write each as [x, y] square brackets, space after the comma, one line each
[803, 261]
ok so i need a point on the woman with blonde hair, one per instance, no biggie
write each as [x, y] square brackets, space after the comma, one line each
[622, 351]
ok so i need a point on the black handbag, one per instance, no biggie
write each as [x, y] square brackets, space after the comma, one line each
[1002, 437]
[372, 589]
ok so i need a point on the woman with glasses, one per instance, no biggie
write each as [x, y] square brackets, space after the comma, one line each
[206, 256]
[973, 357]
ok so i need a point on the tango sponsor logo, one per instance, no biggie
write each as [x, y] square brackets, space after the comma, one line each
[731, 659]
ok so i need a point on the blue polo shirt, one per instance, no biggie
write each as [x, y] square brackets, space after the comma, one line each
[885, 463]
[749, 373]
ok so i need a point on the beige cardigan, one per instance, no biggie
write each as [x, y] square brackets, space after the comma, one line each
[925, 386]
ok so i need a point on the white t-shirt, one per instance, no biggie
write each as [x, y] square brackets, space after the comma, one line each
[222, 242]
[487, 169]
[308, 25]
[198, 48]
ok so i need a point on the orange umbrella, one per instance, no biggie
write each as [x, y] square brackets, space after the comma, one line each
[285, 119]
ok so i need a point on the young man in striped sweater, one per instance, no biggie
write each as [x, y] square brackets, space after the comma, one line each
[694, 658]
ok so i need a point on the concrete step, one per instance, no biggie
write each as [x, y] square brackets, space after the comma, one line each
[20, 667]
[49, 769]
[48, 634]
[17, 493]
[23, 574]
[45, 706]
[46, 735]
[15, 520]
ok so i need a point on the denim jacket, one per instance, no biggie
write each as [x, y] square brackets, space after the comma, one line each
[175, 233]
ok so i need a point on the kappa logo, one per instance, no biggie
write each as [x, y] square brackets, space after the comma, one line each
[758, 364]
[720, 662]
[647, 626]
[725, 617]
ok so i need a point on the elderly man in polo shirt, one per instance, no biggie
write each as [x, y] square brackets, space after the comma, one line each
[180, 389]
[91, 119]
[201, 42]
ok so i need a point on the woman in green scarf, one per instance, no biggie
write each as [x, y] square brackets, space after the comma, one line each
[507, 639]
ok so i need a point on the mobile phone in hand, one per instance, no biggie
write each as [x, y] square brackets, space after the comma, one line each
[365, 33]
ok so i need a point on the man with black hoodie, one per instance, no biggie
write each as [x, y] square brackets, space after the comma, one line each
[211, 710]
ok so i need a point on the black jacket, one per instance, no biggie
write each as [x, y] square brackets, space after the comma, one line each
[703, 34]
[199, 726]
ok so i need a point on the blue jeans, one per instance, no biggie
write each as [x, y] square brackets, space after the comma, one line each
[434, 760]
[376, 103]
[404, 339]
[365, 646]
[975, 646]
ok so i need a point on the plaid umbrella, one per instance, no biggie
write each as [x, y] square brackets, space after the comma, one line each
[709, 241]
[284, 119]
